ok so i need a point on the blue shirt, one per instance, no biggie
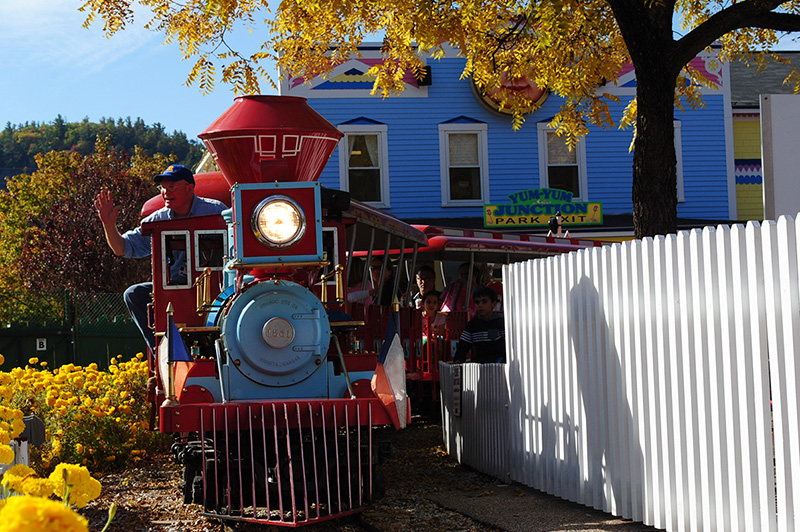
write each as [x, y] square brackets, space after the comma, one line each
[138, 246]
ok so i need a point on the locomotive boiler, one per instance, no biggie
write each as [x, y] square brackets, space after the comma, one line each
[264, 369]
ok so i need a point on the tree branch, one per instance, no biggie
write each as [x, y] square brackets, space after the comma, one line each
[747, 14]
[776, 21]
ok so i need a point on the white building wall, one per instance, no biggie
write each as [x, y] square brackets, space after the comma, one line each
[780, 156]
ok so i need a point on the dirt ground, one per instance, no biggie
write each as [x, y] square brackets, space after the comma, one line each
[427, 490]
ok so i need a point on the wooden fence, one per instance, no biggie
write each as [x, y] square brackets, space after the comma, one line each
[657, 380]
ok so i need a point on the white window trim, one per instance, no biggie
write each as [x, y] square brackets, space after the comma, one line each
[383, 158]
[197, 235]
[444, 162]
[580, 151]
[165, 266]
[679, 160]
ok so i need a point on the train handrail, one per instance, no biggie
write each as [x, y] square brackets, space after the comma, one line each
[203, 286]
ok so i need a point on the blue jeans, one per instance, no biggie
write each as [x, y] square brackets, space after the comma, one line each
[137, 297]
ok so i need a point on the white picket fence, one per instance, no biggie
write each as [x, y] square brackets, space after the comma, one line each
[656, 380]
[475, 419]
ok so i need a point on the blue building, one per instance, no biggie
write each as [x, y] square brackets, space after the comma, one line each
[441, 151]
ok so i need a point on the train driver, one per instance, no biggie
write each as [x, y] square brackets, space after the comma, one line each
[176, 185]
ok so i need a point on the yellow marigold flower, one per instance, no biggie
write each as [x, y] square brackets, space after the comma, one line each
[79, 448]
[6, 455]
[41, 515]
[82, 487]
[2, 359]
[14, 478]
[43, 364]
[21, 470]
[33, 361]
[17, 426]
[38, 487]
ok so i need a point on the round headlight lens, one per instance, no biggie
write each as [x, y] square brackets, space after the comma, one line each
[278, 222]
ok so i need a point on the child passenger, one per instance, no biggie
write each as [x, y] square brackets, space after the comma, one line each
[430, 306]
[484, 334]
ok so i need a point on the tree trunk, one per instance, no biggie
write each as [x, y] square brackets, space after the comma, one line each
[655, 197]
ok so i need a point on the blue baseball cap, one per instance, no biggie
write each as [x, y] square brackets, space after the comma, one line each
[175, 172]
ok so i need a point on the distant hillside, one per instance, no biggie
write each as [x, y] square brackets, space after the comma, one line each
[20, 143]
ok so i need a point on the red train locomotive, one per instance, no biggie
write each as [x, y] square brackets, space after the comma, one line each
[258, 376]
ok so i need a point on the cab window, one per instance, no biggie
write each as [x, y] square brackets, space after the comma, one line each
[209, 250]
[175, 256]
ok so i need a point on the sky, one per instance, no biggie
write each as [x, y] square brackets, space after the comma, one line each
[50, 65]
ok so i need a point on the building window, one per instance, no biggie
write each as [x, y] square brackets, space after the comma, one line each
[560, 167]
[464, 163]
[364, 163]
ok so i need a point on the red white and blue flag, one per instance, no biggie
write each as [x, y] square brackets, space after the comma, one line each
[176, 354]
[389, 381]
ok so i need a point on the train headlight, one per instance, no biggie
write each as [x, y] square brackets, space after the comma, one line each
[278, 222]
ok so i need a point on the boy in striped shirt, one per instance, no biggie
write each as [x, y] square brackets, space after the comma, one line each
[484, 335]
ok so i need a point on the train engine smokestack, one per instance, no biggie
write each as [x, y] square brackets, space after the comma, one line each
[264, 139]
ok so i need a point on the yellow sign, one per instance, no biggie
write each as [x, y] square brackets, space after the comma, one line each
[536, 207]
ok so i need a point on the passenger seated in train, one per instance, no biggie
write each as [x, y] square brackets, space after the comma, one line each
[495, 276]
[456, 294]
[426, 282]
[357, 291]
[385, 287]
[430, 309]
[484, 335]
